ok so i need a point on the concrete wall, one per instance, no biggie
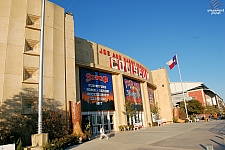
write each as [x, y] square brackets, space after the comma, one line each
[20, 51]
[163, 93]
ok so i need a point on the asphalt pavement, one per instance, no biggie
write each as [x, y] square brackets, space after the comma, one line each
[177, 136]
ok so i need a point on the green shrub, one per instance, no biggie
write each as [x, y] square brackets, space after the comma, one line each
[19, 145]
[121, 128]
[48, 146]
[131, 126]
[61, 142]
[175, 120]
[15, 125]
[21, 127]
[126, 127]
[88, 133]
[149, 124]
[154, 123]
[182, 114]
[193, 120]
[54, 124]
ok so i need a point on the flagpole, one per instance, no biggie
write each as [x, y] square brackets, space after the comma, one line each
[185, 105]
[40, 91]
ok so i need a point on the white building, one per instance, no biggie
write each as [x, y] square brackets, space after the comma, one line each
[195, 90]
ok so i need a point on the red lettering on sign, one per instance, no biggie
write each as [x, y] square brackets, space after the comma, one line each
[100, 51]
[90, 77]
[104, 51]
[124, 64]
[113, 63]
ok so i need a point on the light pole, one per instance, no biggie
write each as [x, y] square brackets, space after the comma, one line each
[40, 91]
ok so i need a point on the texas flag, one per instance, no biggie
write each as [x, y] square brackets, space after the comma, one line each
[171, 63]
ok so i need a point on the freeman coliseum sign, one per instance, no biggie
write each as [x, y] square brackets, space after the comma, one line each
[125, 64]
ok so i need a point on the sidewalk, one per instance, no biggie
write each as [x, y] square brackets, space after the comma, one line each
[176, 136]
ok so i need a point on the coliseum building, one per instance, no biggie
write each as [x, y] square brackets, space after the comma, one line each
[75, 70]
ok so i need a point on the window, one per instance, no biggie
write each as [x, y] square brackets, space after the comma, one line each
[33, 21]
[105, 119]
[32, 47]
[29, 105]
[111, 118]
[30, 74]
[193, 97]
[99, 120]
[93, 119]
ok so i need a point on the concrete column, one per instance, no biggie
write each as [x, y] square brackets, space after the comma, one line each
[39, 139]
[70, 75]
[77, 71]
[119, 100]
[146, 104]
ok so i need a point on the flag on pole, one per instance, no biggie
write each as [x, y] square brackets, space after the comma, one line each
[171, 63]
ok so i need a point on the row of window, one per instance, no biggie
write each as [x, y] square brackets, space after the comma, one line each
[30, 74]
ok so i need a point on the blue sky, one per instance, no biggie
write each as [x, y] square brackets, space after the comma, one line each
[153, 31]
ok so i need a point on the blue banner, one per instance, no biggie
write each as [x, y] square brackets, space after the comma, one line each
[96, 90]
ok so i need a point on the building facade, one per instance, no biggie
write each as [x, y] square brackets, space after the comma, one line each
[106, 80]
[75, 69]
[195, 90]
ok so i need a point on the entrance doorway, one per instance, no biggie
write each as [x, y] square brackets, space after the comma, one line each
[100, 119]
[137, 118]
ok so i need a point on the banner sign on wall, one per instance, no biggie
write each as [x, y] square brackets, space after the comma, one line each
[132, 90]
[151, 95]
[96, 90]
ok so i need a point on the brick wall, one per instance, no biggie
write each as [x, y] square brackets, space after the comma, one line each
[197, 95]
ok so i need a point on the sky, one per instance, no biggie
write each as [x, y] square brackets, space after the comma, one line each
[153, 31]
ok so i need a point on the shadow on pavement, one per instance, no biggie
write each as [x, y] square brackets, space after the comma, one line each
[219, 137]
[219, 128]
[221, 145]
[111, 135]
[203, 146]
[93, 137]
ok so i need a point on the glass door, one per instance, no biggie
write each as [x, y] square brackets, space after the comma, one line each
[98, 120]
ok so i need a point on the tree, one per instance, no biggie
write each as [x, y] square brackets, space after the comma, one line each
[54, 124]
[223, 111]
[129, 108]
[155, 110]
[182, 114]
[209, 109]
[14, 124]
[193, 107]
